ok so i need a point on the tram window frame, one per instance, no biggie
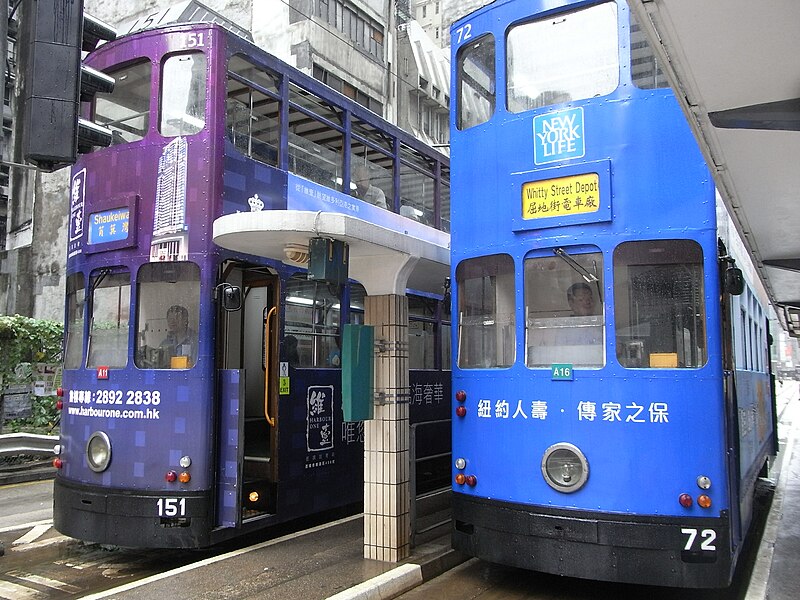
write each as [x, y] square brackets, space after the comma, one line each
[253, 93]
[109, 318]
[560, 327]
[162, 290]
[476, 87]
[76, 318]
[486, 312]
[580, 60]
[659, 288]
[313, 316]
[119, 109]
[181, 95]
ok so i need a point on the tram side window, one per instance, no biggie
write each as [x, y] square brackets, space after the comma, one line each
[444, 198]
[421, 332]
[313, 313]
[372, 164]
[658, 301]
[416, 186]
[76, 294]
[252, 111]
[564, 320]
[486, 322]
[428, 323]
[476, 82]
[183, 94]
[126, 110]
[646, 70]
[167, 315]
[563, 58]
[316, 138]
[110, 315]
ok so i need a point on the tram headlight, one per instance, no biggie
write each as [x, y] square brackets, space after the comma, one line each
[98, 451]
[565, 468]
[703, 482]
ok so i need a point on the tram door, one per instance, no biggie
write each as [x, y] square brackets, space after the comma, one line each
[248, 348]
[727, 317]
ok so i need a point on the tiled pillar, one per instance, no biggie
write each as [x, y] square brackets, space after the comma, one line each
[387, 525]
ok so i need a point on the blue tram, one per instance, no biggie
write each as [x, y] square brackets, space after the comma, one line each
[612, 388]
[202, 392]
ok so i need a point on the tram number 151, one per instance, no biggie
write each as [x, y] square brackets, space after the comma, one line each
[706, 541]
[171, 507]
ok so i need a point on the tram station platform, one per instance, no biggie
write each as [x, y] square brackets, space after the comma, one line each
[327, 561]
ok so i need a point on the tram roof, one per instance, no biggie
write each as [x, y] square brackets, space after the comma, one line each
[733, 66]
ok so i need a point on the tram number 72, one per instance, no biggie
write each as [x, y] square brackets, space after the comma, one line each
[706, 541]
[171, 507]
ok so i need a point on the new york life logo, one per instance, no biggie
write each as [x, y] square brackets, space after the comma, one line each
[558, 136]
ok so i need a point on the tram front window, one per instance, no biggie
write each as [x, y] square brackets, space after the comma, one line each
[126, 110]
[110, 314]
[564, 310]
[167, 315]
[659, 304]
[486, 336]
[183, 94]
[563, 58]
[73, 351]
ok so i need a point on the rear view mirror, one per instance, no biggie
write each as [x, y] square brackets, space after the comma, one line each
[734, 281]
[230, 296]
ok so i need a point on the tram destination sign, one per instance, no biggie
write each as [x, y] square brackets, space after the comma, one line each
[563, 196]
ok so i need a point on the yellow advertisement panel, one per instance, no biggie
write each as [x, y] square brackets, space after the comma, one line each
[560, 197]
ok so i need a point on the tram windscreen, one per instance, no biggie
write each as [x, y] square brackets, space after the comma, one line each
[659, 307]
[486, 323]
[563, 58]
[167, 315]
[564, 310]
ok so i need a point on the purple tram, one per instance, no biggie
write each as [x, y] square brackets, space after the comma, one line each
[202, 388]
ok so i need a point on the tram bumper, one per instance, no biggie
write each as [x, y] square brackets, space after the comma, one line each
[130, 518]
[592, 545]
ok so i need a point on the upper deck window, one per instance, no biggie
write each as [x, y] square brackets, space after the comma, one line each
[564, 310]
[252, 110]
[563, 58]
[183, 94]
[126, 110]
[486, 323]
[659, 304]
[476, 82]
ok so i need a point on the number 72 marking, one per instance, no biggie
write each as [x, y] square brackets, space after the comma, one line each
[708, 536]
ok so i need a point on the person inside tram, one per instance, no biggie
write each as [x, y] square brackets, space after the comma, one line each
[180, 341]
[581, 300]
[365, 190]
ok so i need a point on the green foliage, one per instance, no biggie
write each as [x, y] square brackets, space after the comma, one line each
[24, 341]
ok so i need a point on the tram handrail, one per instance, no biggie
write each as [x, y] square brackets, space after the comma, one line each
[12, 444]
[267, 341]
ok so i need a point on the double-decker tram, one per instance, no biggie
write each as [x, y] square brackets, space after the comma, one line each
[202, 390]
[611, 375]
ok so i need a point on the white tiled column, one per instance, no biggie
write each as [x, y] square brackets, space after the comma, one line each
[387, 525]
